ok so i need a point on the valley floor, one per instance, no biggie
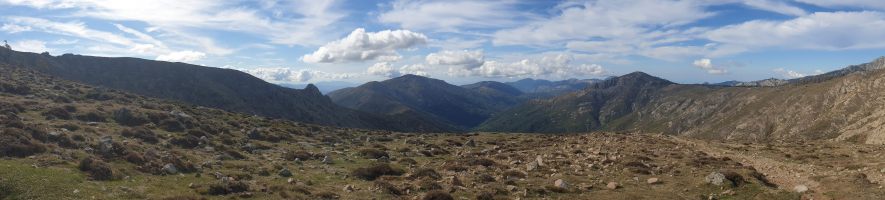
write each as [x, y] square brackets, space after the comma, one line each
[481, 166]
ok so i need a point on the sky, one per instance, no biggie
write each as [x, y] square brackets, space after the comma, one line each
[314, 41]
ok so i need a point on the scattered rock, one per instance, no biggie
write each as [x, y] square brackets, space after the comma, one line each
[532, 166]
[327, 160]
[559, 183]
[612, 185]
[800, 188]
[470, 143]
[652, 181]
[715, 178]
[512, 188]
[169, 168]
[540, 161]
[349, 188]
[290, 180]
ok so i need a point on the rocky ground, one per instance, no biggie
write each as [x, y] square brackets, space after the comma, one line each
[62, 140]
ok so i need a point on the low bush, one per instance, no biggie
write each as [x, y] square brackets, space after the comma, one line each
[373, 172]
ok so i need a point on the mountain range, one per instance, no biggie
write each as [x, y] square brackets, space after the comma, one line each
[226, 89]
[845, 104]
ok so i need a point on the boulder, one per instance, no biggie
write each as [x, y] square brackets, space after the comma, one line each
[715, 178]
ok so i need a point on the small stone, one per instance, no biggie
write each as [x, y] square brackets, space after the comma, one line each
[532, 166]
[327, 160]
[470, 143]
[349, 188]
[169, 168]
[285, 172]
[191, 185]
[512, 188]
[612, 185]
[290, 180]
[800, 188]
[540, 161]
[559, 183]
[652, 181]
[715, 178]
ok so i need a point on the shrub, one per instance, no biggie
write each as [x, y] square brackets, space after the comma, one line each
[735, 178]
[91, 117]
[301, 155]
[327, 195]
[228, 188]
[127, 117]
[15, 88]
[143, 134]
[437, 195]
[97, 169]
[373, 153]
[57, 113]
[378, 170]
[187, 142]
[426, 172]
[172, 125]
[388, 188]
[16, 143]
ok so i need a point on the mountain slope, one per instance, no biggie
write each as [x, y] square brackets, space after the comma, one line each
[539, 88]
[429, 99]
[205, 86]
[846, 106]
[587, 110]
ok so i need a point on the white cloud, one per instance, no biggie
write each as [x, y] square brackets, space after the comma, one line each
[790, 74]
[182, 56]
[864, 4]
[289, 75]
[818, 31]
[14, 28]
[468, 59]
[304, 21]
[452, 15]
[362, 46]
[707, 65]
[777, 6]
[559, 65]
[603, 20]
[35, 46]
[387, 70]
[384, 69]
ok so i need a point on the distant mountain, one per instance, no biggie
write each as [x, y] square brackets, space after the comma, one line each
[540, 88]
[325, 87]
[771, 82]
[843, 105]
[428, 99]
[226, 89]
[590, 109]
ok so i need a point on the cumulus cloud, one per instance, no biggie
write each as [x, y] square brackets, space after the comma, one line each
[466, 58]
[182, 56]
[386, 69]
[289, 75]
[790, 74]
[707, 65]
[817, 31]
[559, 65]
[35, 46]
[360, 45]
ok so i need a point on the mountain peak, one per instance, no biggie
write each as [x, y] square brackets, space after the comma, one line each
[312, 89]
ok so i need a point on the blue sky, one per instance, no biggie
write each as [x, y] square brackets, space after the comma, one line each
[303, 41]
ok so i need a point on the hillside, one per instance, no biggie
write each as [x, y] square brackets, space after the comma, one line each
[204, 86]
[590, 109]
[431, 100]
[845, 106]
[65, 140]
[539, 88]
